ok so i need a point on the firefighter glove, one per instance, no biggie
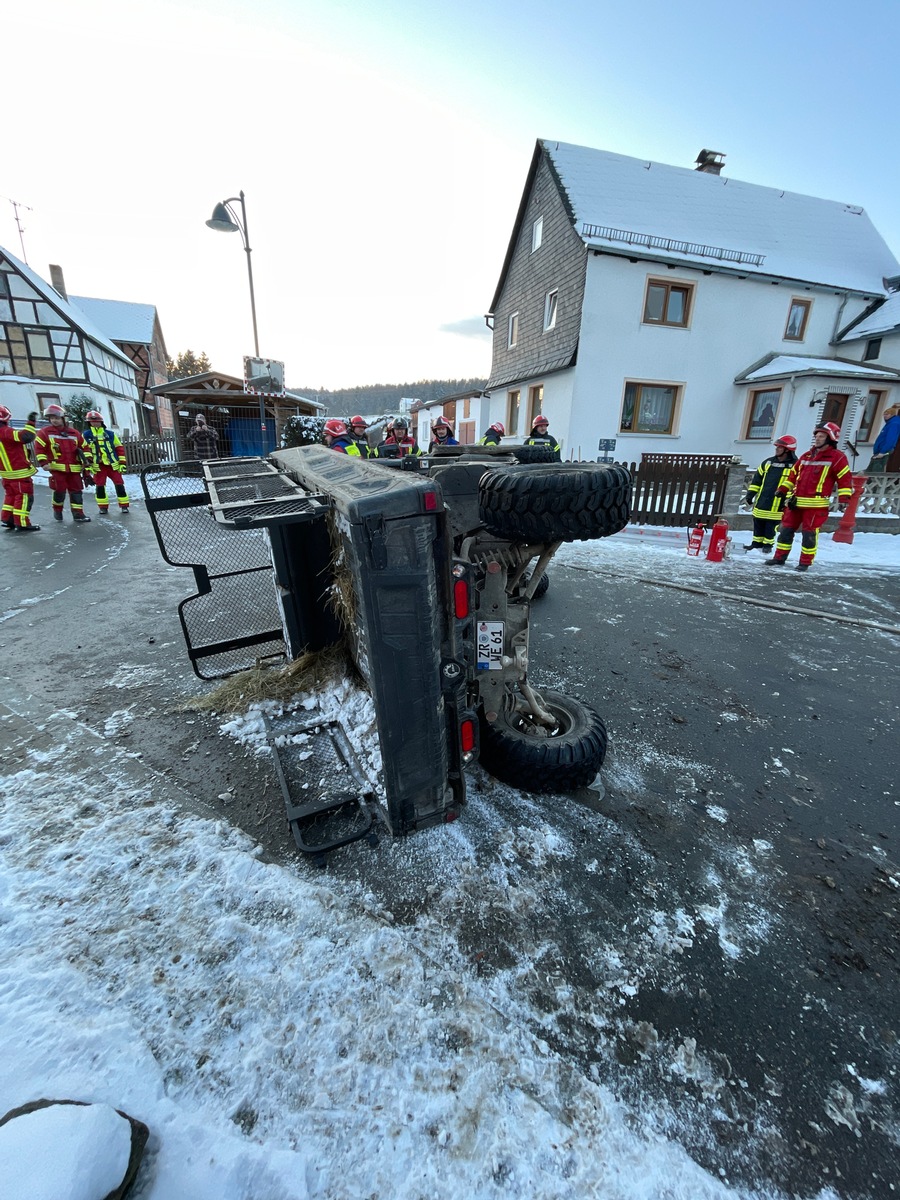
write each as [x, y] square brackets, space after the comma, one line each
[32, 418]
[792, 503]
[748, 498]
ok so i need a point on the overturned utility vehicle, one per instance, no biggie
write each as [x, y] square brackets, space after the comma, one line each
[427, 568]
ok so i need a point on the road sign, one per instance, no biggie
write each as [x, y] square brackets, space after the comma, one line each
[263, 377]
[606, 444]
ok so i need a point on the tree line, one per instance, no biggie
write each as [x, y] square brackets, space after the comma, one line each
[385, 397]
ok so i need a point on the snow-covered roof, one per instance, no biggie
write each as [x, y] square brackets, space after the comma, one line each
[690, 216]
[70, 311]
[780, 365]
[120, 319]
[883, 320]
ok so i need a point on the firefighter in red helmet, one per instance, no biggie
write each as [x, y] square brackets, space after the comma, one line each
[60, 449]
[442, 433]
[358, 427]
[493, 434]
[106, 456]
[763, 497]
[541, 436]
[16, 471]
[808, 486]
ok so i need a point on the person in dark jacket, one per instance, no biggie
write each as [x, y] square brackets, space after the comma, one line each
[204, 440]
[541, 436]
[442, 433]
[886, 442]
[762, 495]
[400, 443]
[493, 434]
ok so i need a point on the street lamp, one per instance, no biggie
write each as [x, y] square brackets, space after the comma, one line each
[226, 220]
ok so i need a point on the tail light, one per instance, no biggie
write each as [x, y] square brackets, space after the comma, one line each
[461, 598]
[467, 735]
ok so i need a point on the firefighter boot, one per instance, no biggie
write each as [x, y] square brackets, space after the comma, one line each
[57, 514]
[802, 567]
[776, 562]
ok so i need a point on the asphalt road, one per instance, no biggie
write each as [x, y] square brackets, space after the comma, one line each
[713, 932]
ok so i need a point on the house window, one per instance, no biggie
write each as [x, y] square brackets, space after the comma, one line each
[867, 421]
[512, 331]
[513, 405]
[649, 408]
[112, 413]
[761, 415]
[873, 349]
[45, 398]
[537, 234]
[667, 303]
[798, 316]
[535, 404]
[551, 305]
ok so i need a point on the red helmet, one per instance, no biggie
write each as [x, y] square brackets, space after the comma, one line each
[335, 427]
[829, 427]
[540, 419]
[93, 415]
[358, 421]
[499, 427]
[442, 421]
[53, 410]
[5, 414]
[789, 443]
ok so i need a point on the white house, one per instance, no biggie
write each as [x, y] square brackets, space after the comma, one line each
[681, 311]
[51, 352]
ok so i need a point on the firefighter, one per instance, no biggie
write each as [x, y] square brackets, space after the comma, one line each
[540, 435]
[808, 486]
[358, 427]
[336, 437]
[767, 505]
[400, 443]
[106, 460]
[16, 470]
[61, 450]
[442, 433]
[493, 434]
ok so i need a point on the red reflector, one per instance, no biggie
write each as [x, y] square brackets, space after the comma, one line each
[467, 736]
[461, 598]
[431, 501]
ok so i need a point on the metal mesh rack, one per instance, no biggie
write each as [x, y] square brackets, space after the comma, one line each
[247, 492]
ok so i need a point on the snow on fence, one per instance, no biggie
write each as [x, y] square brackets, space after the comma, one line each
[679, 489]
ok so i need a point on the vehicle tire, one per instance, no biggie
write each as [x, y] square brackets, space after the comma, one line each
[541, 589]
[561, 502]
[534, 454]
[517, 751]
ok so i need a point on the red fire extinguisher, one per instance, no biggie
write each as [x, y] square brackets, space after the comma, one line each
[695, 539]
[718, 539]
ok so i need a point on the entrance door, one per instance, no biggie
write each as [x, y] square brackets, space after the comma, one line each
[835, 407]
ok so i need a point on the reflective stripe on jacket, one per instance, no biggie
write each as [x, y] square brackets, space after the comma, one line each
[14, 460]
[60, 449]
[104, 448]
[768, 505]
[815, 475]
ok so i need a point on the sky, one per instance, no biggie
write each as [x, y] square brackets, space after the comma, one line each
[279, 1033]
[383, 148]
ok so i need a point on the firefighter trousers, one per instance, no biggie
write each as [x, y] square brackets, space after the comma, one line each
[809, 521]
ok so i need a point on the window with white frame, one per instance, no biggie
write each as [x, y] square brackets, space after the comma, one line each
[512, 330]
[668, 303]
[537, 234]
[551, 308]
[761, 414]
[649, 407]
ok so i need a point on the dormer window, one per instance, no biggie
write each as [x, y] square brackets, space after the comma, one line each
[798, 317]
[537, 234]
[873, 349]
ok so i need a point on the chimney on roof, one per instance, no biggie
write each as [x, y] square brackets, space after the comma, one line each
[56, 278]
[710, 162]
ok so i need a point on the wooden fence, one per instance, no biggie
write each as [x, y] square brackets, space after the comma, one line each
[149, 451]
[679, 489]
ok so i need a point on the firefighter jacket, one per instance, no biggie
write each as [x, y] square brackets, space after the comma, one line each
[815, 475]
[544, 439]
[103, 449]
[392, 448]
[768, 503]
[60, 449]
[447, 441]
[15, 462]
[362, 447]
[491, 438]
[344, 445]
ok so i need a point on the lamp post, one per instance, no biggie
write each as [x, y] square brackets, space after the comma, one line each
[226, 220]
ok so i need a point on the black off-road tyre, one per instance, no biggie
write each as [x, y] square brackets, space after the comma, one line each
[534, 454]
[541, 589]
[560, 502]
[518, 751]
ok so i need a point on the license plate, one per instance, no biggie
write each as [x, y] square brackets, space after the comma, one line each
[490, 645]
